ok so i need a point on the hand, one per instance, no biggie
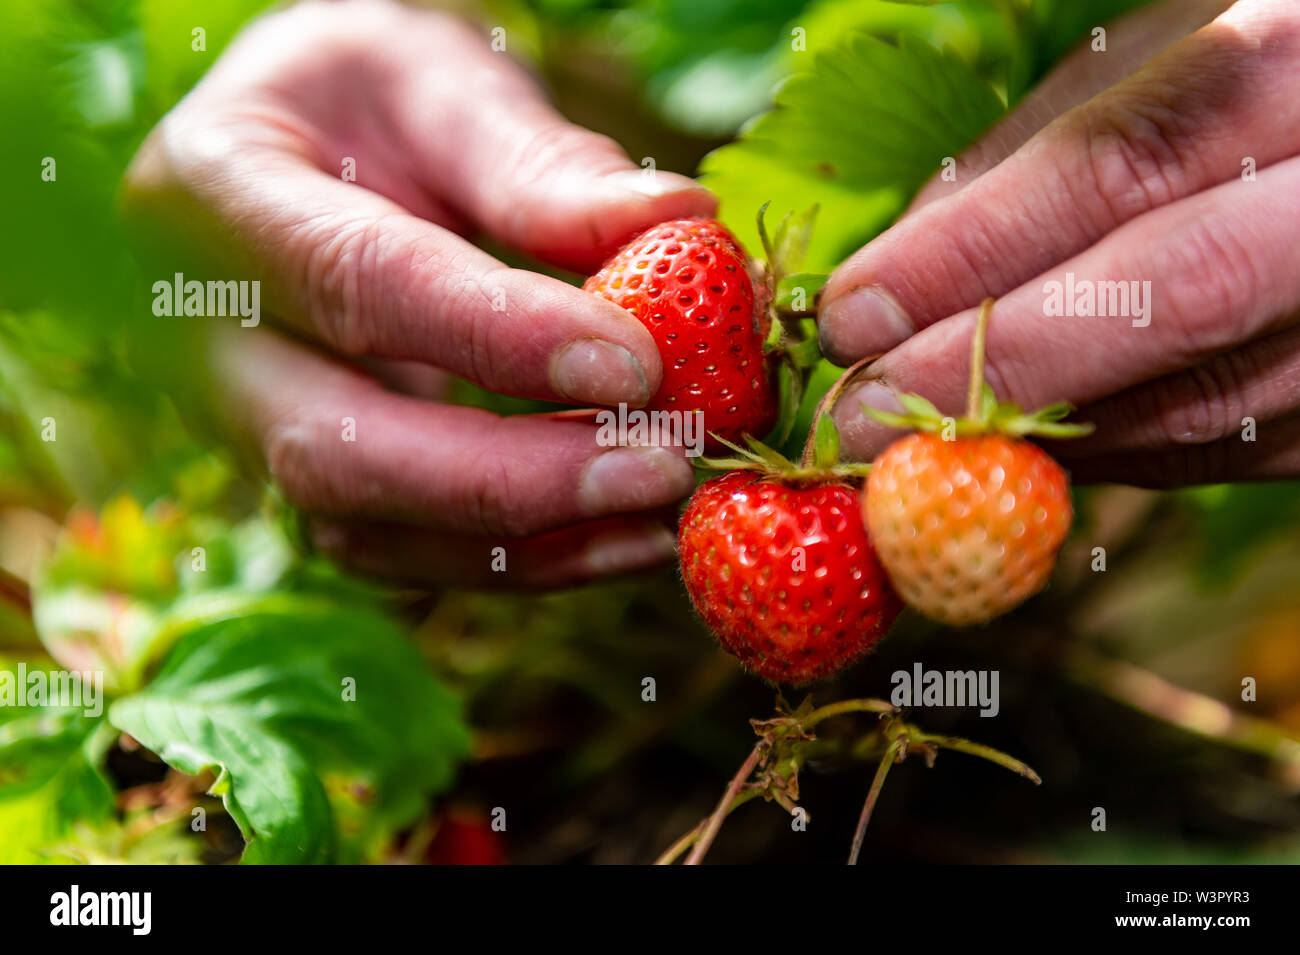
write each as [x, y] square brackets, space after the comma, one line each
[1125, 166]
[243, 180]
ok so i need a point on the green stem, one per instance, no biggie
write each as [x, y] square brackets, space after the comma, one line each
[672, 853]
[846, 706]
[828, 401]
[873, 795]
[957, 744]
[714, 822]
[975, 397]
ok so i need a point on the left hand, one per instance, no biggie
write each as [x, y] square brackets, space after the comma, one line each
[1124, 166]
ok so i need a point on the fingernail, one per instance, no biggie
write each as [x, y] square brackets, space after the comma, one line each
[596, 372]
[862, 437]
[631, 549]
[651, 182]
[864, 321]
[634, 479]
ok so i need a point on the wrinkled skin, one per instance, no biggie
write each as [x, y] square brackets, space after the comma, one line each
[1128, 165]
[372, 295]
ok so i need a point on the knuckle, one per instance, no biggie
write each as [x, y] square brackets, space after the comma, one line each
[471, 300]
[1202, 406]
[292, 456]
[551, 152]
[1209, 284]
[1134, 158]
[338, 269]
[492, 507]
[557, 146]
[303, 458]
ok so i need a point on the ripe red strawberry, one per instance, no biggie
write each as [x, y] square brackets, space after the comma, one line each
[465, 837]
[783, 573]
[968, 529]
[967, 516]
[688, 281]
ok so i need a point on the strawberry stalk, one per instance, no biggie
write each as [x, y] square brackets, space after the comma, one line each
[792, 302]
[984, 413]
[975, 396]
[891, 756]
[787, 740]
[738, 782]
[824, 438]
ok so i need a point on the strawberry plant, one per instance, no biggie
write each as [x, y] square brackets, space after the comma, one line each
[780, 561]
[293, 696]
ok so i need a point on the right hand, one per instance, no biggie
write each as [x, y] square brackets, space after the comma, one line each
[242, 181]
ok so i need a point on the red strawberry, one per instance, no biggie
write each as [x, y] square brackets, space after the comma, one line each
[465, 837]
[783, 573]
[688, 281]
[967, 516]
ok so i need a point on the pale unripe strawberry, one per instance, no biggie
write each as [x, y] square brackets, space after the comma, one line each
[968, 529]
[967, 516]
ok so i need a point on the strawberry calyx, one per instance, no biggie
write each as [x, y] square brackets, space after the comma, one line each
[820, 462]
[984, 413]
[993, 417]
[823, 467]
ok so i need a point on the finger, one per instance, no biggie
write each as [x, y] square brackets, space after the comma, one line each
[1250, 385]
[1208, 274]
[339, 445]
[1130, 41]
[1181, 124]
[353, 270]
[1271, 453]
[564, 558]
[432, 109]
[519, 169]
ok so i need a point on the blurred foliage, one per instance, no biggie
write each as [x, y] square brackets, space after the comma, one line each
[257, 694]
[849, 103]
[858, 135]
[222, 650]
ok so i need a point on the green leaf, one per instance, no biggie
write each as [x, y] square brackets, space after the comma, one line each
[1052, 429]
[767, 454]
[49, 774]
[858, 135]
[919, 406]
[988, 404]
[1236, 524]
[261, 699]
[891, 419]
[1057, 412]
[172, 48]
[792, 238]
[826, 448]
[791, 388]
[796, 294]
